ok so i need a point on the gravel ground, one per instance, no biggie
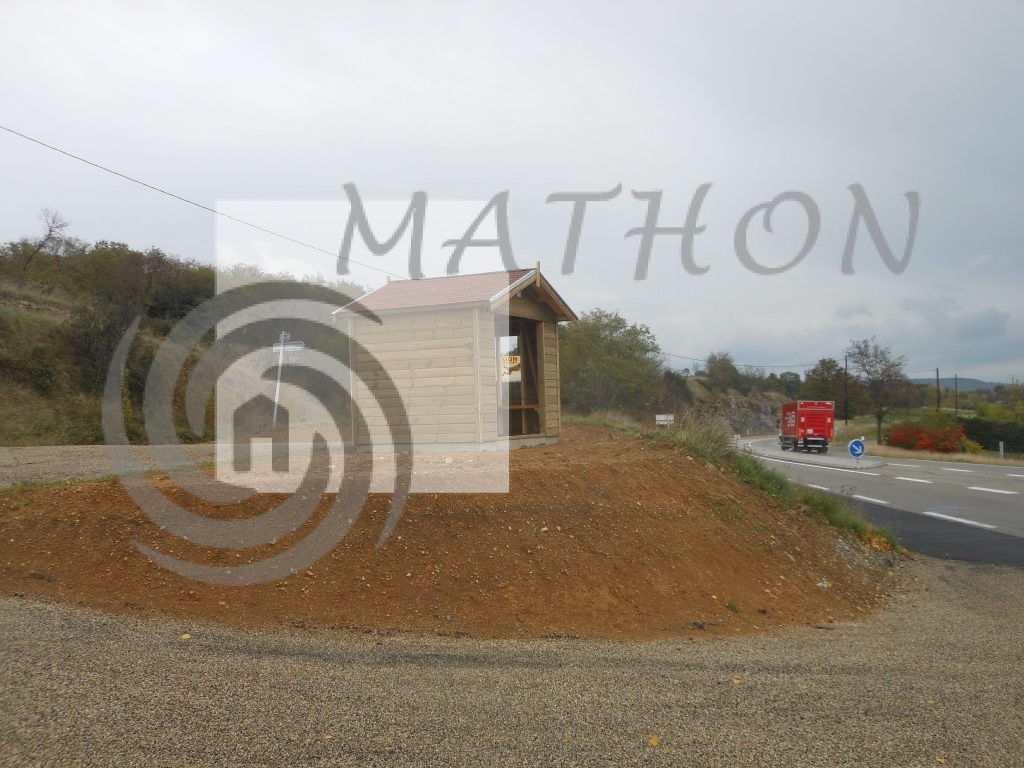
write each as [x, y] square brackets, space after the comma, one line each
[55, 463]
[937, 678]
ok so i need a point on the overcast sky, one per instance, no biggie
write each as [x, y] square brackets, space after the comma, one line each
[286, 102]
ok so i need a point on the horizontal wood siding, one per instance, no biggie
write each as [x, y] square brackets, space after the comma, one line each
[524, 306]
[445, 367]
[430, 357]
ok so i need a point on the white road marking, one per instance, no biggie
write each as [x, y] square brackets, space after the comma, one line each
[868, 498]
[912, 466]
[958, 520]
[991, 490]
[950, 469]
[819, 466]
[819, 487]
[914, 480]
[1010, 474]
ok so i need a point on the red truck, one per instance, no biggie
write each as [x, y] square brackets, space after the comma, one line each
[807, 425]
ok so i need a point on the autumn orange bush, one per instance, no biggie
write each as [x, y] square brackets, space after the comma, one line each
[937, 434]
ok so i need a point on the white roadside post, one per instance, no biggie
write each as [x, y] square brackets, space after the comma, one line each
[281, 348]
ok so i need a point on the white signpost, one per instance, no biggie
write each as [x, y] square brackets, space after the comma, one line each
[281, 348]
[664, 419]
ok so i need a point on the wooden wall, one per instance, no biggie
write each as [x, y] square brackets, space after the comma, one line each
[551, 416]
[444, 364]
[550, 396]
[430, 356]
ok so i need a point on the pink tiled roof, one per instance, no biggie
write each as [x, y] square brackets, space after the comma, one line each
[438, 291]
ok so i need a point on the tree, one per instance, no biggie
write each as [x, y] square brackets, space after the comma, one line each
[674, 392]
[881, 374]
[92, 332]
[25, 252]
[824, 381]
[607, 362]
[827, 381]
[791, 382]
[722, 372]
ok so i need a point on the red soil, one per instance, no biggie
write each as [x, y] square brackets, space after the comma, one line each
[603, 536]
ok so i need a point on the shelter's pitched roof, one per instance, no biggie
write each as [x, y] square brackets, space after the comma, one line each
[492, 288]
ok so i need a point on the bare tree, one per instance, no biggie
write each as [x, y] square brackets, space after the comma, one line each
[882, 376]
[28, 250]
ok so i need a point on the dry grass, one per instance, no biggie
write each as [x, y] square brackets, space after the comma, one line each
[34, 297]
[890, 452]
[710, 440]
[607, 418]
[858, 428]
[28, 418]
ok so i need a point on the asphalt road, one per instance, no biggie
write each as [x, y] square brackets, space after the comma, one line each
[56, 463]
[971, 512]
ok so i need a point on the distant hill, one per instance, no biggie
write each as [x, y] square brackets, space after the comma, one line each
[964, 384]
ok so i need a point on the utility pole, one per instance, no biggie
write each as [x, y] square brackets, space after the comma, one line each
[938, 392]
[956, 394]
[846, 389]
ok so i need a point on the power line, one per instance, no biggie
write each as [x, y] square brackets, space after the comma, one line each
[741, 365]
[188, 201]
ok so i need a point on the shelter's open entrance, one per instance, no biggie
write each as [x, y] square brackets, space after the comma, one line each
[519, 388]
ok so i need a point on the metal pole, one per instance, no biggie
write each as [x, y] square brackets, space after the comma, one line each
[846, 389]
[938, 392]
[956, 394]
[280, 365]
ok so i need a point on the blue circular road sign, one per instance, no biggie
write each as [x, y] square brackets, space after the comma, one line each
[857, 448]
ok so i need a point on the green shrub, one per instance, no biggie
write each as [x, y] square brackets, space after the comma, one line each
[999, 412]
[35, 369]
[988, 433]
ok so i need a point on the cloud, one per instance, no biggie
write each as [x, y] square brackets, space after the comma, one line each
[990, 323]
[261, 101]
[847, 311]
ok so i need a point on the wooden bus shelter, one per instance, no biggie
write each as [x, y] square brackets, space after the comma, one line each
[474, 357]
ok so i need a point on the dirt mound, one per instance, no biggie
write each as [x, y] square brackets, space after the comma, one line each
[603, 535]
